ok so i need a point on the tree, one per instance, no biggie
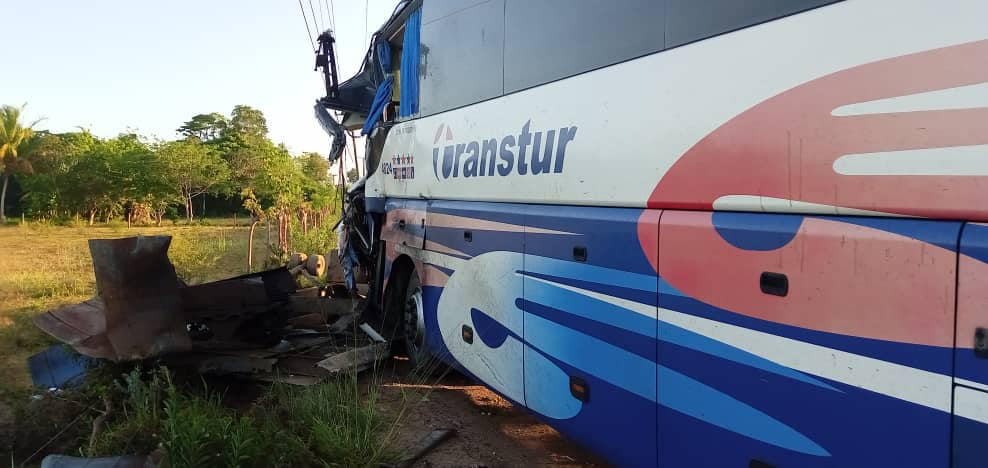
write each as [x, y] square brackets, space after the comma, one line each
[247, 121]
[315, 166]
[205, 127]
[53, 157]
[352, 175]
[13, 133]
[108, 178]
[192, 167]
[92, 182]
[147, 189]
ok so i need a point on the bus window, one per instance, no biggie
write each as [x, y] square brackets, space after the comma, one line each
[461, 55]
[693, 20]
[552, 39]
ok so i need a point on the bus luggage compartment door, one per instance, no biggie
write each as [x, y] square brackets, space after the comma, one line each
[590, 292]
[810, 341]
[473, 253]
[971, 354]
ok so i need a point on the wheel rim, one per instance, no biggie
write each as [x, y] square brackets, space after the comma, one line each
[414, 322]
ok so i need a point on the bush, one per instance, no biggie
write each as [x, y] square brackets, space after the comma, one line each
[329, 424]
[341, 424]
[321, 240]
[194, 256]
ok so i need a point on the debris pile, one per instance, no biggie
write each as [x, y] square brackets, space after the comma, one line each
[259, 325]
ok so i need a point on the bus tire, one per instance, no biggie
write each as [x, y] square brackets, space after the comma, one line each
[413, 323]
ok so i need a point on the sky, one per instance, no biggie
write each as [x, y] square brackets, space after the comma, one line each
[147, 66]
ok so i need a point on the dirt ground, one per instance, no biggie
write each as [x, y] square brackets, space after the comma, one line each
[490, 432]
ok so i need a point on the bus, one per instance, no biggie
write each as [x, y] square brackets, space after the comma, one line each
[687, 233]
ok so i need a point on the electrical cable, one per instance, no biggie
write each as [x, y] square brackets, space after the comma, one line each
[315, 19]
[322, 15]
[306, 20]
[332, 15]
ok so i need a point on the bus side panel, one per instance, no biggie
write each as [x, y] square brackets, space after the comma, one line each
[805, 340]
[971, 367]
[970, 428]
[972, 307]
[470, 289]
[403, 227]
[590, 295]
[405, 222]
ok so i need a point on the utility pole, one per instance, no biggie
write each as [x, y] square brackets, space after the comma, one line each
[353, 144]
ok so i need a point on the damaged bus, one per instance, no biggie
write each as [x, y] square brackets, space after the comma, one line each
[687, 233]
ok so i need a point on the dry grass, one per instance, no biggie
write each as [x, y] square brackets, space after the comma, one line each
[43, 266]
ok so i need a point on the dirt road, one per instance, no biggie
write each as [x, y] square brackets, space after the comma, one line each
[490, 432]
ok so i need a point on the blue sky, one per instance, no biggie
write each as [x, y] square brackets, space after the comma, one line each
[149, 65]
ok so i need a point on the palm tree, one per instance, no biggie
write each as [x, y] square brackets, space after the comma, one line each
[13, 133]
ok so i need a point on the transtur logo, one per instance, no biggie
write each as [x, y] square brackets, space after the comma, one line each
[489, 157]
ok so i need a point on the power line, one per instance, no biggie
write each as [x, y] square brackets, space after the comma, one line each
[332, 15]
[324, 13]
[306, 20]
[321, 15]
[315, 19]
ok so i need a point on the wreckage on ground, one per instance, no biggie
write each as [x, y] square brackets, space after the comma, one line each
[259, 325]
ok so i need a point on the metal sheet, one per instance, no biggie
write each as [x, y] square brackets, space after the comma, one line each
[357, 358]
[82, 325]
[140, 290]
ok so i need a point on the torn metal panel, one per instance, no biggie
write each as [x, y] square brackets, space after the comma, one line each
[278, 282]
[303, 341]
[314, 321]
[355, 359]
[225, 298]
[297, 364]
[139, 288]
[244, 311]
[328, 308]
[82, 326]
[255, 325]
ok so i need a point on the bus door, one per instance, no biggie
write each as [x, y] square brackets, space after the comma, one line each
[590, 292]
[971, 354]
[790, 340]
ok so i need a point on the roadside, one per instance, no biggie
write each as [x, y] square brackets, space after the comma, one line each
[490, 431]
[45, 266]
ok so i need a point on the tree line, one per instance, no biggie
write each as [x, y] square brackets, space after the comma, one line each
[82, 176]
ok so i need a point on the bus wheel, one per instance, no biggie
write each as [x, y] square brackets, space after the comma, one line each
[413, 317]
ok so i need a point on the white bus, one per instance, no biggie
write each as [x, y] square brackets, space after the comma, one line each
[689, 233]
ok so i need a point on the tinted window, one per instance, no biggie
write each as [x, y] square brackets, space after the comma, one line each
[550, 39]
[461, 56]
[692, 20]
[437, 9]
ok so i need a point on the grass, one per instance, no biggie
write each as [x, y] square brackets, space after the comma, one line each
[335, 423]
